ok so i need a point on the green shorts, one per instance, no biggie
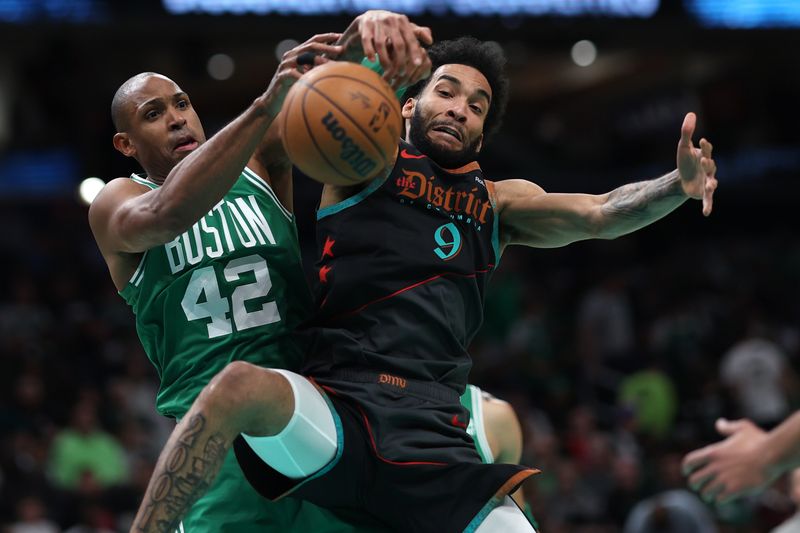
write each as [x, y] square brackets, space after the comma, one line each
[231, 505]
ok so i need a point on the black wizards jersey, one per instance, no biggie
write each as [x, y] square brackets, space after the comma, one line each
[402, 270]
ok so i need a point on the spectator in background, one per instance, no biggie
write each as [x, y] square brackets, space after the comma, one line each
[754, 370]
[84, 450]
[32, 518]
[674, 511]
[651, 397]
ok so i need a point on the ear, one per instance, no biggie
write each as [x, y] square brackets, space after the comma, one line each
[480, 144]
[408, 108]
[122, 142]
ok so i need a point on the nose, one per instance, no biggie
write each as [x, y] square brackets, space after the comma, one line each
[175, 120]
[458, 112]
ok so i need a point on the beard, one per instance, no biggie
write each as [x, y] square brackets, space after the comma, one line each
[445, 158]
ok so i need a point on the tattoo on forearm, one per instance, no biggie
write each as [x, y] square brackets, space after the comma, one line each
[184, 476]
[645, 201]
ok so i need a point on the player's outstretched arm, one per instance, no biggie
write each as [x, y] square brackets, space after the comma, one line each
[748, 460]
[127, 217]
[530, 216]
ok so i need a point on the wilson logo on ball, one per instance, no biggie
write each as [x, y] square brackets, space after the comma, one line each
[350, 151]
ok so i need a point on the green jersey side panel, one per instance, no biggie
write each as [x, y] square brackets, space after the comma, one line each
[229, 288]
[472, 401]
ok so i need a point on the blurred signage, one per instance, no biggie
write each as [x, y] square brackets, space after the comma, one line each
[746, 13]
[64, 10]
[563, 8]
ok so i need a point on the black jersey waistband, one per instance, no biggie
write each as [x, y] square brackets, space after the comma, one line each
[426, 389]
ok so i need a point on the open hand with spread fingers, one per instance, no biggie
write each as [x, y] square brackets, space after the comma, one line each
[696, 167]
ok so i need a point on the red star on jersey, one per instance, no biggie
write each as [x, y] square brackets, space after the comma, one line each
[323, 273]
[327, 248]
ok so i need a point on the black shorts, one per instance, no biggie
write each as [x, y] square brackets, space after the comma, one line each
[408, 494]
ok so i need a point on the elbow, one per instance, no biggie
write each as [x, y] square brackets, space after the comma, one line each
[598, 227]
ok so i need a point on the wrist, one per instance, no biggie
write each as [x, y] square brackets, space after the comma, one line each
[264, 107]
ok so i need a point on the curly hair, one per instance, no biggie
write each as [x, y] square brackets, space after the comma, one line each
[485, 56]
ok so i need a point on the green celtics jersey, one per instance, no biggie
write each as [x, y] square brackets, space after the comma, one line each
[229, 288]
[472, 400]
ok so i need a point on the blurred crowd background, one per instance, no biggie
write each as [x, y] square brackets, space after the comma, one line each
[617, 355]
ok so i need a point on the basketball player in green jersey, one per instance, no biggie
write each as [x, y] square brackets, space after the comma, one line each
[203, 246]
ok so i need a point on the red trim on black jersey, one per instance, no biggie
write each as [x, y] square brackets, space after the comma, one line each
[408, 288]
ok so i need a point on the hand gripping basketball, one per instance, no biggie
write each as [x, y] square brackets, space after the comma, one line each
[341, 124]
[296, 62]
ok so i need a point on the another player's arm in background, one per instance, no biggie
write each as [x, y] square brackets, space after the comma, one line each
[748, 460]
[127, 217]
[530, 216]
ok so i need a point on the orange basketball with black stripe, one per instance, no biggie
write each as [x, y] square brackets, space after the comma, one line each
[341, 124]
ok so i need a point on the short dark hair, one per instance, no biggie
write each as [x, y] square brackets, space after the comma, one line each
[485, 56]
[121, 99]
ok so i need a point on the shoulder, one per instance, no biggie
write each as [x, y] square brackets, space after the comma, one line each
[114, 194]
[116, 190]
[506, 191]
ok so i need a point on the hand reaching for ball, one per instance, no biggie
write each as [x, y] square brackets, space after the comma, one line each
[317, 50]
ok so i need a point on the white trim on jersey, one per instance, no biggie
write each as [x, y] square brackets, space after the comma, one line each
[476, 399]
[262, 184]
[138, 274]
[143, 181]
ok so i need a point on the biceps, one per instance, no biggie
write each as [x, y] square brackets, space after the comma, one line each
[136, 226]
[551, 226]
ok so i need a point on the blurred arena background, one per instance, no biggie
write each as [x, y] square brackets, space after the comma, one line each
[618, 356]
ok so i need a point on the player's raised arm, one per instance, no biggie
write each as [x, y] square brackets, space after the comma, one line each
[531, 216]
[132, 218]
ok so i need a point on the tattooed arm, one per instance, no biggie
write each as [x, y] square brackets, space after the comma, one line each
[530, 216]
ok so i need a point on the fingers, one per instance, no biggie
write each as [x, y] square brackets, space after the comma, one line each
[701, 478]
[729, 427]
[694, 461]
[368, 41]
[706, 147]
[709, 186]
[396, 41]
[423, 34]
[713, 492]
[709, 167]
[318, 45]
[687, 130]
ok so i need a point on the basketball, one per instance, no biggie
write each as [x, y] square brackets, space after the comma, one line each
[341, 124]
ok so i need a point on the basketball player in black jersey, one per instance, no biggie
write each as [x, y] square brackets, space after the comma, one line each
[377, 427]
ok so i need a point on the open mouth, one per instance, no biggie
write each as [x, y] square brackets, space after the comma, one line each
[186, 144]
[449, 131]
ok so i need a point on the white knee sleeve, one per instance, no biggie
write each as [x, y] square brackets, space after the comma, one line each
[506, 518]
[308, 442]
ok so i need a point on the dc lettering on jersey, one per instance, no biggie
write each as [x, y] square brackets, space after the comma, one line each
[417, 186]
[227, 227]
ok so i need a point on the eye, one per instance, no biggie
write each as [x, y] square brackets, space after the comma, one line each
[444, 93]
[151, 115]
[476, 108]
[183, 104]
